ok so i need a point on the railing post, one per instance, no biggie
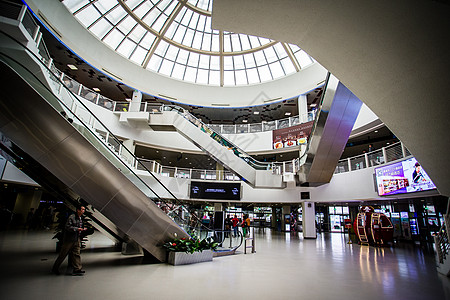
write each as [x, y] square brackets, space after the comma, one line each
[114, 106]
[153, 166]
[79, 89]
[349, 164]
[61, 79]
[97, 98]
[403, 150]
[175, 173]
[190, 173]
[23, 10]
[366, 159]
[284, 167]
[383, 150]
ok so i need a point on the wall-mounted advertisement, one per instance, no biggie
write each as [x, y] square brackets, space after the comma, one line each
[215, 190]
[291, 136]
[403, 177]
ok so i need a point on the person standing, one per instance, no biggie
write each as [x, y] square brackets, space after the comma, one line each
[235, 222]
[72, 243]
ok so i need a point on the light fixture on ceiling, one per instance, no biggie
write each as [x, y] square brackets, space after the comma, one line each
[376, 131]
[128, 99]
[72, 67]
[387, 143]
[256, 112]
[313, 105]
[96, 89]
[244, 121]
[287, 113]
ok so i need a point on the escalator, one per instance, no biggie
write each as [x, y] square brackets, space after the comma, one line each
[68, 147]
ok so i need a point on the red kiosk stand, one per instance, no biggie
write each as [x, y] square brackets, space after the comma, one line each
[373, 228]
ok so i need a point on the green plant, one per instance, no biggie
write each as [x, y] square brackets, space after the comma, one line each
[191, 245]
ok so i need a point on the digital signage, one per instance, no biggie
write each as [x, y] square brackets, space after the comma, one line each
[215, 190]
[403, 177]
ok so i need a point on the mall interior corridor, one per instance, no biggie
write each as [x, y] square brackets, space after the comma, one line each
[285, 266]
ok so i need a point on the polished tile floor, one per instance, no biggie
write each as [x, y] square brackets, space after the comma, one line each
[285, 266]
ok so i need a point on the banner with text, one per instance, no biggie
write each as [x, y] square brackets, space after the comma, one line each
[291, 136]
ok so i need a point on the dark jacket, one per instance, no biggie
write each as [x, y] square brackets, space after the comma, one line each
[71, 233]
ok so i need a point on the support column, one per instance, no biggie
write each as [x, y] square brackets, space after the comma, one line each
[286, 210]
[219, 172]
[309, 220]
[136, 100]
[129, 144]
[303, 109]
[25, 201]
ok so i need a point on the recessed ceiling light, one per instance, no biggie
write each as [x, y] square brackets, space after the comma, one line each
[157, 151]
[287, 113]
[72, 67]
[313, 105]
[96, 89]
[185, 158]
[245, 121]
[128, 99]
[256, 112]
[387, 143]
[376, 131]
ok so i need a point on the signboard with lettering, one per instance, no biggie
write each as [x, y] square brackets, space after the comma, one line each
[292, 136]
[215, 190]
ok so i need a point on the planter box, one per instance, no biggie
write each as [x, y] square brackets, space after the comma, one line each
[182, 258]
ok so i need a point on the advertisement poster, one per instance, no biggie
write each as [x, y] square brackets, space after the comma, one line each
[291, 136]
[402, 177]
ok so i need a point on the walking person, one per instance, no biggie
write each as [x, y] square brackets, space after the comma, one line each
[235, 224]
[72, 243]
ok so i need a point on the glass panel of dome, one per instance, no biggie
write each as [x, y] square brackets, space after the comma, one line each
[147, 41]
[202, 76]
[260, 58]
[264, 73]
[115, 15]
[279, 49]
[294, 48]
[215, 44]
[191, 74]
[235, 43]
[215, 63]
[127, 24]
[253, 76]
[142, 10]
[263, 41]
[150, 17]
[193, 59]
[74, 5]
[182, 57]
[126, 47]
[162, 48]
[185, 16]
[154, 63]
[88, 15]
[214, 77]
[114, 38]
[228, 63]
[254, 41]
[270, 54]
[179, 33]
[137, 34]
[188, 37]
[204, 61]
[303, 58]
[276, 70]
[287, 66]
[131, 3]
[105, 5]
[166, 67]
[249, 60]
[101, 28]
[206, 43]
[159, 23]
[139, 55]
[171, 53]
[178, 71]
[226, 43]
[241, 77]
[238, 62]
[245, 42]
[228, 78]
[197, 42]
[203, 4]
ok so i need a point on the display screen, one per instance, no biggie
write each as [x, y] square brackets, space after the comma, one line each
[215, 190]
[403, 177]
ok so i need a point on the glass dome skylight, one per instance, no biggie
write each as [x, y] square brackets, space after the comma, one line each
[174, 38]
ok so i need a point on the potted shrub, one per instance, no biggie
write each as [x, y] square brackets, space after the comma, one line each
[188, 251]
